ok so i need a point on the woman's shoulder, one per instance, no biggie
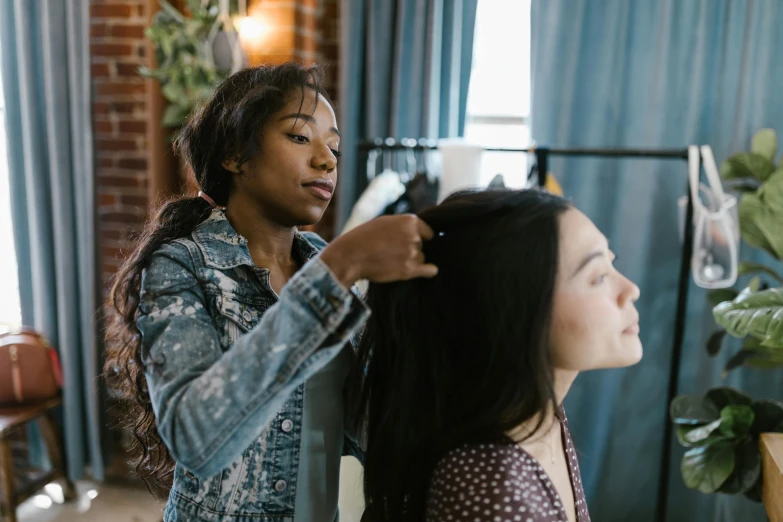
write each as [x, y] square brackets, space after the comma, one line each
[485, 481]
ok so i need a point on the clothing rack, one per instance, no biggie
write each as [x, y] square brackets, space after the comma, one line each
[542, 155]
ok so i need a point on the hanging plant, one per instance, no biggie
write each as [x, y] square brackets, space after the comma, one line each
[185, 51]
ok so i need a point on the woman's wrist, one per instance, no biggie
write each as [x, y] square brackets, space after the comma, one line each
[344, 266]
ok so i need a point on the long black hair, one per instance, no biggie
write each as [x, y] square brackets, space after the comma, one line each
[462, 358]
[228, 126]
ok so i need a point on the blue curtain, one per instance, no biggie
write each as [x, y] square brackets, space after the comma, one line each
[404, 72]
[613, 73]
[47, 87]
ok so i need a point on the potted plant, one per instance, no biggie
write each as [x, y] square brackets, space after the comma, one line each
[194, 54]
[721, 429]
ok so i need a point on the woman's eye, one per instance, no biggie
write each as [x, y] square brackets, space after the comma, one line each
[600, 279]
[336, 153]
[299, 138]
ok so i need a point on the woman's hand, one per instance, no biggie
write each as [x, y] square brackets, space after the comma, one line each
[383, 250]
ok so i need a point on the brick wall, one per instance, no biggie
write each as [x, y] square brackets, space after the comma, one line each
[304, 30]
[119, 123]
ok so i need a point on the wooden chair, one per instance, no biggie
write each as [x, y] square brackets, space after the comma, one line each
[17, 485]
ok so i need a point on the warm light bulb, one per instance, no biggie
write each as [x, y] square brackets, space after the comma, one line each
[250, 28]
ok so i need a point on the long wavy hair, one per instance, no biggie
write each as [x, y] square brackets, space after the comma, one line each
[228, 126]
[462, 358]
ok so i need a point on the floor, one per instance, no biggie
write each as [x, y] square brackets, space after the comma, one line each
[95, 503]
[123, 503]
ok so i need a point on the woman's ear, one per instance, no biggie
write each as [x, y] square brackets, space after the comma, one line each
[231, 166]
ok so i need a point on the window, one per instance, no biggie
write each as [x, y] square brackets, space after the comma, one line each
[10, 310]
[498, 111]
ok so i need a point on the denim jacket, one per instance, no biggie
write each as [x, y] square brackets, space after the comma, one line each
[226, 365]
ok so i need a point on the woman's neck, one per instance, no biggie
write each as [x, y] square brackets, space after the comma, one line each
[270, 243]
[546, 421]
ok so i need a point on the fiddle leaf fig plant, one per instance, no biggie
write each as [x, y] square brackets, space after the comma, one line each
[721, 431]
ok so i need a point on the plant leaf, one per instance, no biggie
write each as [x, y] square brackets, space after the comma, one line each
[736, 420]
[706, 468]
[754, 493]
[701, 433]
[715, 342]
[759, 314]
[721, 295]
[765, 143]
[686, 439]
[769, 416]
[693, 410]
[746, 165]
[725, 396]
[747, 468]
[744, 268]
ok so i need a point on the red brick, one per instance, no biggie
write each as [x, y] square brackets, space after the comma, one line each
[133, 127]
[107, 199]
[116, 144]
[129, 216]
[141, 51]
[126, 107]
[118, 181]
[112, 235]
[103, 127]
[128, 69]
[98, 30]
[133, 163]
[109, 88]
[128, 31]
[110, 11]
[105, 162]
[100, 69]
[111, 49]
[136, 201]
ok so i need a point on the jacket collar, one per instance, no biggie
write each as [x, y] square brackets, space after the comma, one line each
[223, 248]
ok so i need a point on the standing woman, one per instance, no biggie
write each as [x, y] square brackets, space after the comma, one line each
[233, 332]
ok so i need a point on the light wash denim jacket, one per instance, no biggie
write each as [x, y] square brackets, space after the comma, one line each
[227, 361]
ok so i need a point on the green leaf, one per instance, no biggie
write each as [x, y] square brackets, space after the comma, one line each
[761, 217]
[769, 416]
[688, 440]
[746, 165]
[759, 314]
[693, 410]
[706, 468]
[736, 420]
[175, 115]
[716, 297]
[715, 342]
[771, 193]
[765, 143]
[701, 433]
[725, 396]
[745, 268]
[747, 468]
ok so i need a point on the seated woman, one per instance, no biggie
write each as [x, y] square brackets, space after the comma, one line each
[460, 379]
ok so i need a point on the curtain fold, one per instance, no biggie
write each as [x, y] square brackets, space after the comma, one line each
[611, 73]
[47, 87]
[404, 73]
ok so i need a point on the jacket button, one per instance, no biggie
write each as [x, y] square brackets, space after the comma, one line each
[247, 316]
[280, 485]
[287, 425]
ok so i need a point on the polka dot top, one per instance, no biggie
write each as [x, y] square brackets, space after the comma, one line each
[501, 483]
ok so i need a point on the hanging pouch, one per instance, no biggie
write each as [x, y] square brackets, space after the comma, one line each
[716, 225]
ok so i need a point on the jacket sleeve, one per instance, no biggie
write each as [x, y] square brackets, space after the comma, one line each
[210, 405]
